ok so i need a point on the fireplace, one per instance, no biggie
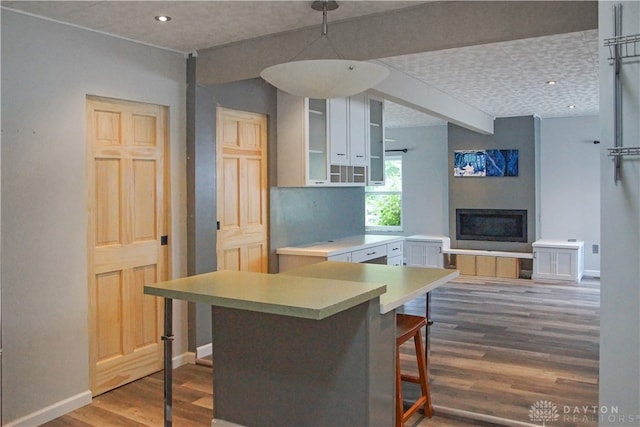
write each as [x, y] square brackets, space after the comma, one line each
[498, 225]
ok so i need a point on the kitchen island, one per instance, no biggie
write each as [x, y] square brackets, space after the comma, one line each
[294, 349]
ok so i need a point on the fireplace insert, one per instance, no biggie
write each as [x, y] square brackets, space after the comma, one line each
[499, 225]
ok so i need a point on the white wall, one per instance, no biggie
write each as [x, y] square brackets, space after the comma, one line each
[620, 225]
[570, 183]
[47, 71]
[425, 199]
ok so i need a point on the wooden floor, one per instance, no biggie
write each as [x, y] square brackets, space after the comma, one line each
[497, 348]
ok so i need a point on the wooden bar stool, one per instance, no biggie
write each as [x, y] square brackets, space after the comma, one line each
[407, 327]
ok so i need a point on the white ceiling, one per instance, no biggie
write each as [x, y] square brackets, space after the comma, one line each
[502, 79]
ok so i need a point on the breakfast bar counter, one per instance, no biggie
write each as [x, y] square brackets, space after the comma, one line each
[309, 297]
[312, 347]
[403, 283]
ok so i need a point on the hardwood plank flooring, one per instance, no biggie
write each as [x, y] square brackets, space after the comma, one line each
[497, 347]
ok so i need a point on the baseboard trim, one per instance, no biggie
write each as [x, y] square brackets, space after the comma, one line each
[54, 411]
[443, 410]
[591, 273]
[204, 351]
[186, 358]
[65, 406]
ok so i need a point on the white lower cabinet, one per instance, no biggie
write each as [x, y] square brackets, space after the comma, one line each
[345, 257]
[426, 251]
[558, 260]
[368, 254]
[395, 253]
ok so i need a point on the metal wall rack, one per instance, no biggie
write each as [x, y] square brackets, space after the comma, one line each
[620, 48]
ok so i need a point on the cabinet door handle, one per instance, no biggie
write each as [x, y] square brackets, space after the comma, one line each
[359, 156]
[341, 154]
[371, 253]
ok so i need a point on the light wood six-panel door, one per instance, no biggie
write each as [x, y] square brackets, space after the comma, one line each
[127, 239]
[242, 200]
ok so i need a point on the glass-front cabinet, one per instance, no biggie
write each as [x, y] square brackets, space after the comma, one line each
[376, 142]
[317, 154]
[302, 143]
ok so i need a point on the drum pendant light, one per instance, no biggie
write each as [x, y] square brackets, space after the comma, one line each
[324, 78]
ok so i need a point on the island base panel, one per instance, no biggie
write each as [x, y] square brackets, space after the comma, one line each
[280, 371]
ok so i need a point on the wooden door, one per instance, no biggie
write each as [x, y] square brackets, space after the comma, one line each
[241, 165]
[127, 179]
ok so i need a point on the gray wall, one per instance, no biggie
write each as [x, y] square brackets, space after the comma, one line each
[297, 215]
[251, 95]
[425, 185]
[620, 222]
[496, 192]
[44, 192]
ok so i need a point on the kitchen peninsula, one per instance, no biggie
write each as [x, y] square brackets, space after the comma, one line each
[371, 248]
[304, 348]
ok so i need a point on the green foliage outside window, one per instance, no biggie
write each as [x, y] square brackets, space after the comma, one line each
[383, 204]
[385, 208]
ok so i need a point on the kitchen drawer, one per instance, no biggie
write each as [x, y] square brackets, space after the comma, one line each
[367, 254]
[345, 257]
[396, 260]
[394, 249]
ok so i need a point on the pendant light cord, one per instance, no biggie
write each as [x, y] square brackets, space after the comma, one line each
[324, 34]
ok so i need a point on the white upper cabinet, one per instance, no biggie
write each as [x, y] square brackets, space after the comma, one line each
[348, 130]
[303, 148]
[322, 142]
[358, 135]
[376, 142]
[338, 133]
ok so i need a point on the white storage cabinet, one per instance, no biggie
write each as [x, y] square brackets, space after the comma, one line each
[322, 142]
[558, 260]
[426, 251]
[303, 148]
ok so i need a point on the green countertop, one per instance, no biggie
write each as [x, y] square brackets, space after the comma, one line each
[403, 283]
[288, 295]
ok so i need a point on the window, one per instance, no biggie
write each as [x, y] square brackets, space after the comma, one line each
[383, 204]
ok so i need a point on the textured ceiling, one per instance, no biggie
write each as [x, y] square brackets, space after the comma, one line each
[510, 78]
[502, 79]
[197, 24]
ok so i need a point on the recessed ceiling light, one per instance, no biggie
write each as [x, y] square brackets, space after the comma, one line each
[551, 82]
[571, 107]
[163, 18]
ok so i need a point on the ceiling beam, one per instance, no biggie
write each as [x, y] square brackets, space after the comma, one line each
[405, 90]
[426, 27]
